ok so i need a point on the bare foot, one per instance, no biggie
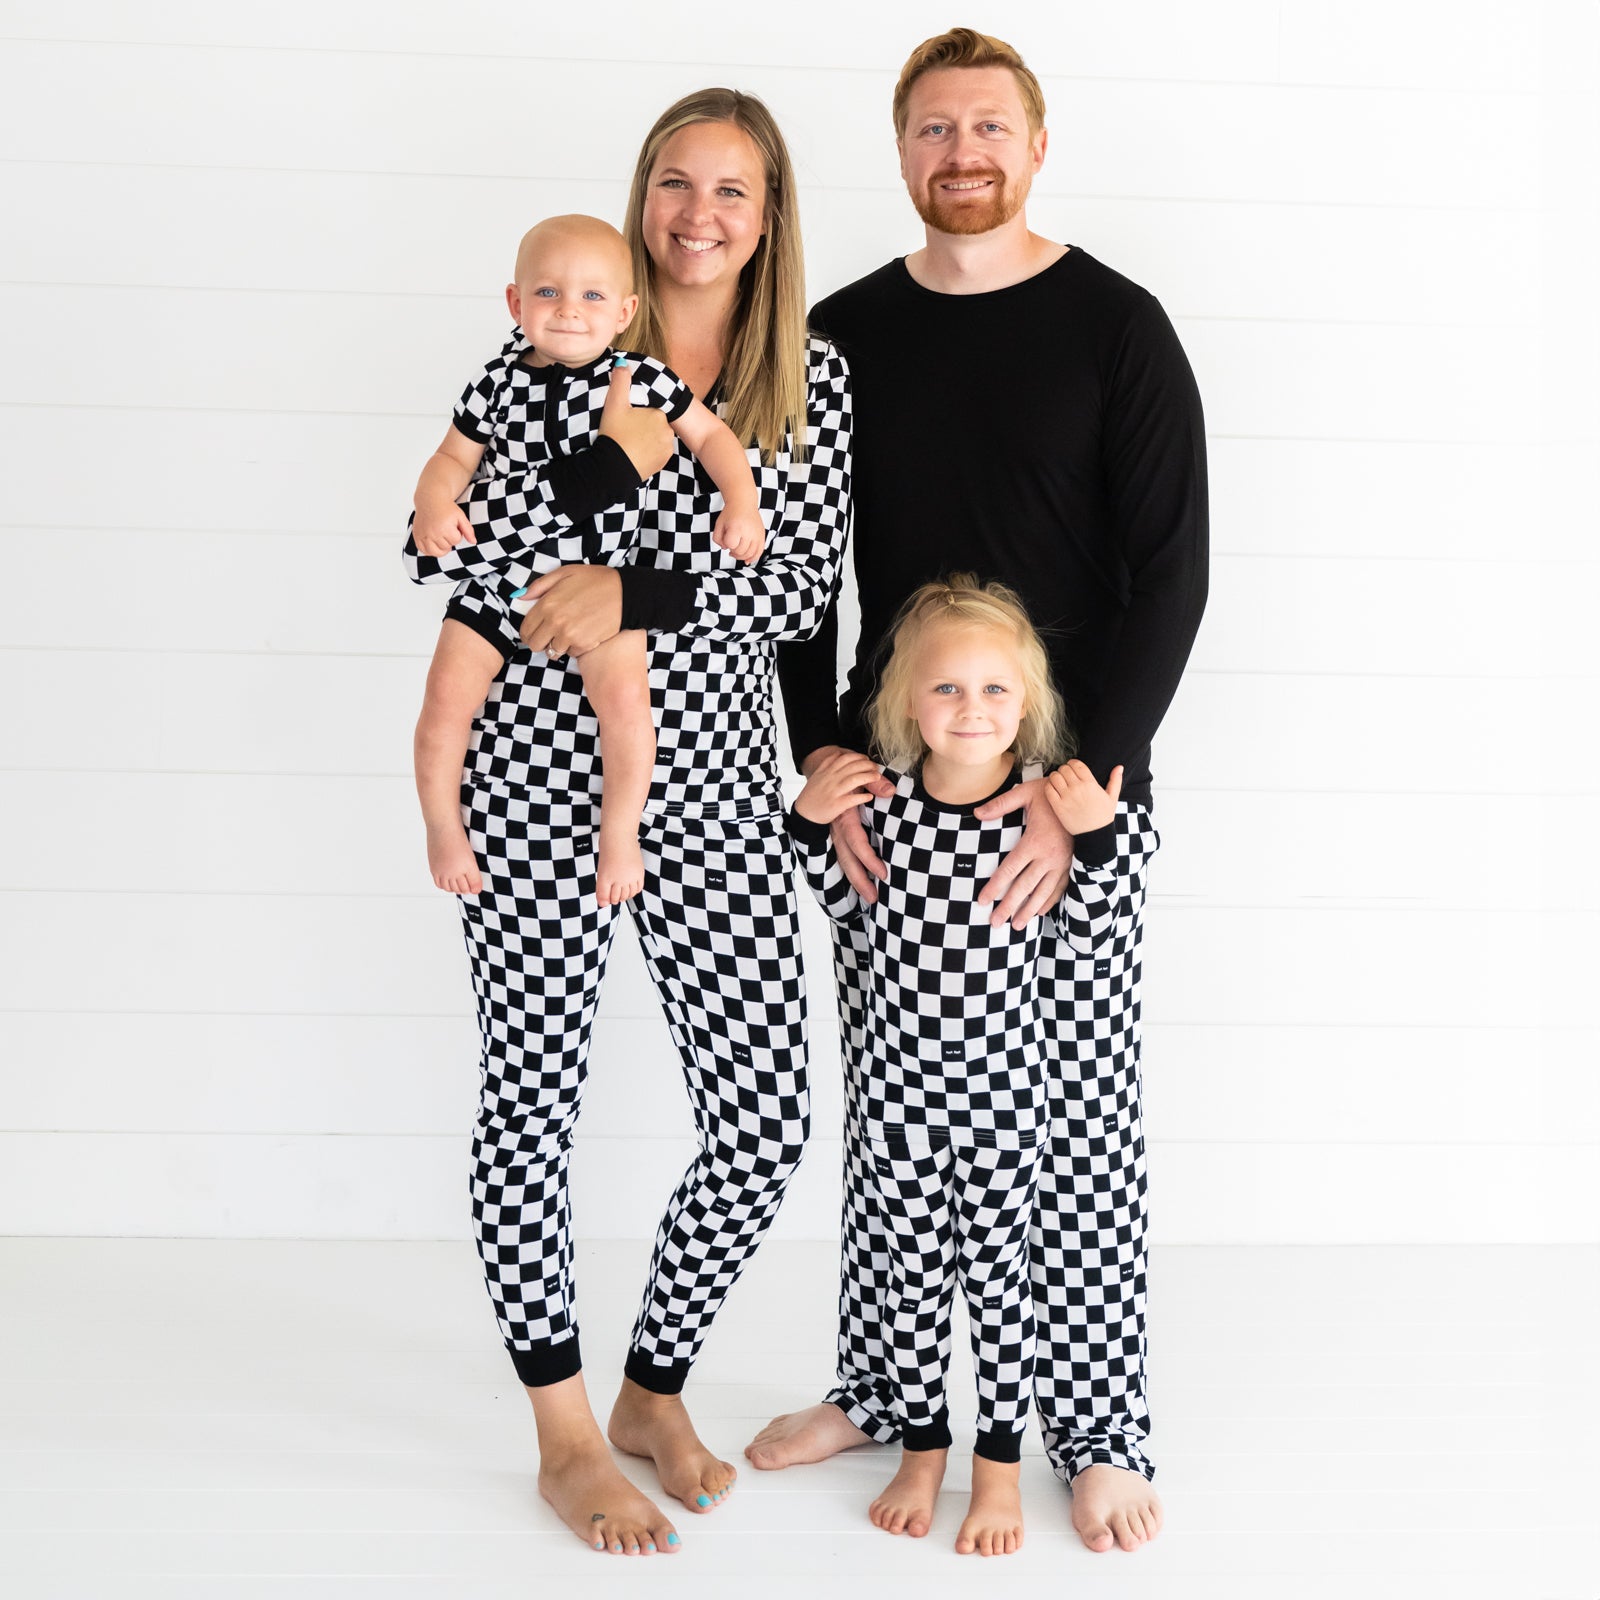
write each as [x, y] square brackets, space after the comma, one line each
[798, 1437]
[619, 873]
[657, 1426]
[993, 1525]
[593, 1498]
[906, 1506]
[451, 861]
[1111, 1505]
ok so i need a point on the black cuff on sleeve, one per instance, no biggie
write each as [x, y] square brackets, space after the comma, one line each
[657, 597]
[591, 481]
[1097, 848]
[804, 831]
[486, 624]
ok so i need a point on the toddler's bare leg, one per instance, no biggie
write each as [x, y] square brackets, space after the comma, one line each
[463, 667]
[617, 681]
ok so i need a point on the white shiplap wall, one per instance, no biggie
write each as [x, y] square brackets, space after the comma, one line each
[254, 251]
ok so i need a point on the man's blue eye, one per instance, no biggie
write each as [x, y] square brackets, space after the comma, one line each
[935, 128]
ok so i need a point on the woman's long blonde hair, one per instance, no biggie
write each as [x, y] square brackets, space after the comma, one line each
[764, 369]
[960, 600]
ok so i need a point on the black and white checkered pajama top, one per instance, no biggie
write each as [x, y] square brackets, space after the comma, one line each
[954, 1046]
[711, 676]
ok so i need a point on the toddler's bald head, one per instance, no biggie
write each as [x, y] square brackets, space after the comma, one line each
[594, 239]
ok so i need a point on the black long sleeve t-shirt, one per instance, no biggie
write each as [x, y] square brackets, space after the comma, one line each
[1048, 434]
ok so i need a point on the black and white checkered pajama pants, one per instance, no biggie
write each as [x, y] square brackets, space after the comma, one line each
[1087, 1247]
[717, 921]
[958, 1212]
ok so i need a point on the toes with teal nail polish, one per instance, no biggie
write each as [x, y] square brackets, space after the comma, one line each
[704, 1500]
[672, 1538]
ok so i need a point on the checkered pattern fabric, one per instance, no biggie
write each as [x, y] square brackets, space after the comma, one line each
[711, 683]
[524, 416]
[717, 922]
[958, 1212]
[717, 917]
[1087, 1249]
[953, 1036]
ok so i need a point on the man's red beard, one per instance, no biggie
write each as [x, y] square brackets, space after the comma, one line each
[991, 209]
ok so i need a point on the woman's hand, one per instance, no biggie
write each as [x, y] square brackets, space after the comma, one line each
[1030, 879]
[643, 432]
[1080, 804]
[574, 609]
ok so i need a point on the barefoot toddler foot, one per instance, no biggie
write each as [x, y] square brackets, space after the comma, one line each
[993, 1525]
[619, 872]
[451, 861]
[907, 1504]
[657, 1426]
[1114, 1506]
[798, 1437]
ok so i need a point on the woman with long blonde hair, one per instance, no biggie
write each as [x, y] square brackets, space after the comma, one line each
[714, 230]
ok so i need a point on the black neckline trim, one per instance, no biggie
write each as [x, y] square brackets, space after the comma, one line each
[1010, 781]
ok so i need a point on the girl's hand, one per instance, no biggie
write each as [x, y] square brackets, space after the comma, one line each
[839, 783]
[643, 432]
[741, 534]
[1080, 804]
[437, 530]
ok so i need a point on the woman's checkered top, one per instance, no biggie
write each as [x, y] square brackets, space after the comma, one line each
[954, 1040]
[711, 677]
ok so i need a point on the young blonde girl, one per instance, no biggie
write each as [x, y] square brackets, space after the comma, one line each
[950, 1077]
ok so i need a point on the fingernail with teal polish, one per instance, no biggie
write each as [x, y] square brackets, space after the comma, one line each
[672, 1538]
[517, 594]
[704, 1500]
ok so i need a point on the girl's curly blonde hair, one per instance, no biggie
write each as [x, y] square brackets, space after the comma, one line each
[959, 600]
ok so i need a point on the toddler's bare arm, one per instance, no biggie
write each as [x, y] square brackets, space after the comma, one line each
[739, 529]
[440, 524]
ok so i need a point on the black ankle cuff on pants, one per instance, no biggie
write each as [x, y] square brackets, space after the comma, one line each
[547, 1363]
[999, 1446]
[933, 1435]
[669, 1379]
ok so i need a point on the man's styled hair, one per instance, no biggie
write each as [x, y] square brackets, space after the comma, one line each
[966, 47]
[960, 601]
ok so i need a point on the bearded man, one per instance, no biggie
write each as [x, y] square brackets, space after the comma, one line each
[1024, 413]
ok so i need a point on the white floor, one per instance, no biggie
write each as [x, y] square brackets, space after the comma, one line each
[202, 1418]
